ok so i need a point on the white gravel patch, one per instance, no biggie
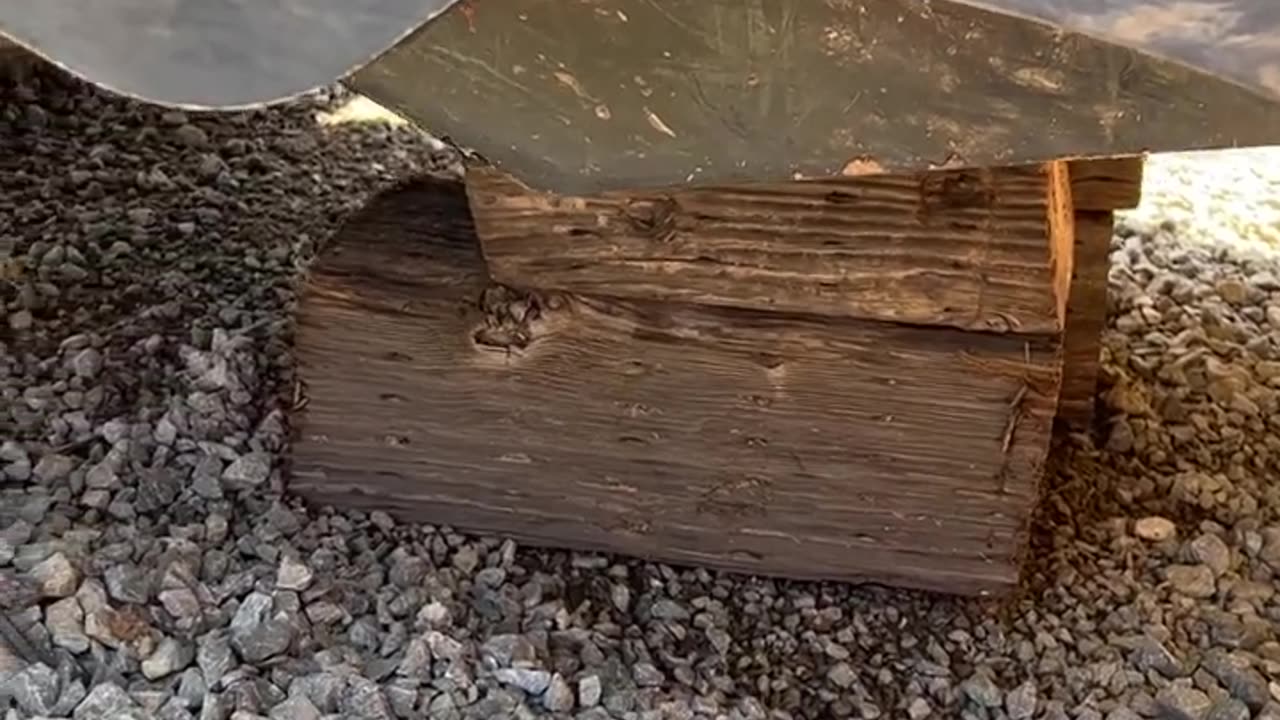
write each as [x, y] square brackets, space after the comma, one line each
[1224, 197]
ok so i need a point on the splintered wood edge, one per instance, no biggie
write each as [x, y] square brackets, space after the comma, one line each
[1061, 235]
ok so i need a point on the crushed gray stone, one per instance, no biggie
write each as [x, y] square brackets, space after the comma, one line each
[151, 555]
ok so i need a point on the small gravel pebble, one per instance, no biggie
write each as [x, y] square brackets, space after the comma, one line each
[57, 577]
[1213, 552]
[1181, 702]
[1155, 529]
[170, 656]
[1020, 703]
[293, 575]
[1192, 580]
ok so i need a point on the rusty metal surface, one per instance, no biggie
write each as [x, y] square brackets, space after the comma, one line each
[581, 97]
[585, 95]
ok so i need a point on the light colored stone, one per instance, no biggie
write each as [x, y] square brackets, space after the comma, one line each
[1155, 529]
[292, 574]
[842, 675]
[65, 620]
[171, 655]
[1192, 580]
[1021, 701]
[589, 691]
[558, 697]
[1213, 552]
[57, 577]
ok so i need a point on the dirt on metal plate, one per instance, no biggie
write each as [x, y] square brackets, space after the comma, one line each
[579, 96]
[620, 94]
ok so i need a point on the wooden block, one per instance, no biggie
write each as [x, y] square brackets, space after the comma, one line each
[791, 445]
[964, 249]
[1086, 318]
[16, 63]
[1106, 183]
[1097, 186]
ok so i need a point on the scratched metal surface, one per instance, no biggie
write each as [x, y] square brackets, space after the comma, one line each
[610, 94]
[734, 90]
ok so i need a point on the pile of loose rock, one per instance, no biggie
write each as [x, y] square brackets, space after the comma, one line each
[150, 566]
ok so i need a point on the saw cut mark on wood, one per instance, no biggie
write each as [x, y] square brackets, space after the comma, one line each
[787, 444]
[963, 249]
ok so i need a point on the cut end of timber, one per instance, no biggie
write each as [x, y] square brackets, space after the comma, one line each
[787, 444]
[1097, 188]
[1061, 232]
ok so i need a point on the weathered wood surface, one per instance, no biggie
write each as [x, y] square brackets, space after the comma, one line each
[1098, 187]
[1106, 183]
[800, 446]
[963, 249]
[1086, 318]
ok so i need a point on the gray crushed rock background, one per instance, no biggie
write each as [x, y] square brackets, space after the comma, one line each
[150, 566]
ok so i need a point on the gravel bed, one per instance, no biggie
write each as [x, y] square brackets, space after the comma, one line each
[150, 566]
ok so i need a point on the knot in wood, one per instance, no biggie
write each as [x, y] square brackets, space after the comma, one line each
[655, 217]
[1002, 323]
[508, 317]
[957, 189]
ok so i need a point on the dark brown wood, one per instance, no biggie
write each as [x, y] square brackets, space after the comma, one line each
[1106, 183]
[963, 249]
[1097, 187]
[784, 444]
[16, 63]
[1086, 318]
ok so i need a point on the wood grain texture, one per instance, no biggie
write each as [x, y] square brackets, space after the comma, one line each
[1107, 183]
[1060, 234]
[1086, 318]
[964, 249]
[790, 445]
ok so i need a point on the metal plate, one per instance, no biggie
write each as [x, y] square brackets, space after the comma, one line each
[580, 97]
[737, 90]
[233, 53]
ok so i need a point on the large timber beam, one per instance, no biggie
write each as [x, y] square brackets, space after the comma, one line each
[740, 437]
